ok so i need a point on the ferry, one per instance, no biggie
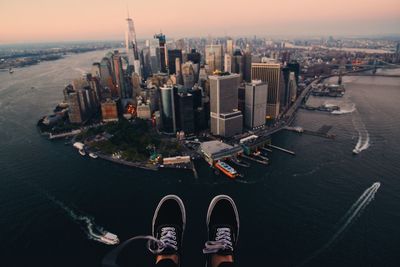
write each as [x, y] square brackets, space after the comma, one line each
[109, 238]
[93, 155]
[226, 169]
[82, 152]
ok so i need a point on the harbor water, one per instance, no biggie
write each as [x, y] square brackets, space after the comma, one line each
[322, 207]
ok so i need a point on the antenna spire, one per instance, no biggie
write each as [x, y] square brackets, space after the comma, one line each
[127, 10]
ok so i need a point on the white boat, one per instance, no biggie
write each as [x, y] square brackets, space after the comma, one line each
[82, 152]
[109, 238]
[93, 155]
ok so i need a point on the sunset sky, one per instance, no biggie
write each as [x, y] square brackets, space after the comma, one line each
[70, 20]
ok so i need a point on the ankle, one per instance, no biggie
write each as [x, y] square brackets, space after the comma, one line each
[216, 259]
[172, 257]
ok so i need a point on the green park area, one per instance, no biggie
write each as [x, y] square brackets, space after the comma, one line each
[135, 141]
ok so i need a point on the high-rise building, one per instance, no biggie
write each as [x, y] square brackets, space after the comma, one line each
[172, 56]
[226, 119]
[255, 104]
[269, 73]
[186, 112]
[229, 47]
[106, 77]
[109, 110]
[74, 108]
[168, 110]
[119, 75]
[228, 62]
[194, 56]
[162, 48]
[247, 60]
[294, 66]
[214, 57]
[292, 87]
[178, 71]
[96, 69]
[188, 75]
[238, 63]
[131, 46]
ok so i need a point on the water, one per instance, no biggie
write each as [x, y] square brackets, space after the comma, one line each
[303, 209]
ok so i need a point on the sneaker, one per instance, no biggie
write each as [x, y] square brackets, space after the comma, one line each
[168, 225]
[222, 225]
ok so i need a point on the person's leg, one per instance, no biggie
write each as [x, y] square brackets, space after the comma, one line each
[223, 232]
[168, 225]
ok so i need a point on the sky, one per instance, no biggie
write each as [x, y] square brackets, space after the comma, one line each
[75, 20]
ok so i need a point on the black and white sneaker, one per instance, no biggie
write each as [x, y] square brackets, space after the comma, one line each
[222, 225]
[168, 225]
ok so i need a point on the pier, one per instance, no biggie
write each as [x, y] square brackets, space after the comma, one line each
[266, 149]
[283, 150]
[264, 162]
[63, 135]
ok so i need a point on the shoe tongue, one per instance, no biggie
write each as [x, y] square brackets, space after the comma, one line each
[214, 231]
[168, 250]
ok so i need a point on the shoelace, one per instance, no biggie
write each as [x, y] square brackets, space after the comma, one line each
[222, 241]
[167, 240]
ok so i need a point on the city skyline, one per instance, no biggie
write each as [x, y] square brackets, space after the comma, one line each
[47, 21]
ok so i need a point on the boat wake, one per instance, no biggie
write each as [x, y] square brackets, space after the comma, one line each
[93, 231]
[344, 111]
[353, 213]
[244, 181]
[363, 142]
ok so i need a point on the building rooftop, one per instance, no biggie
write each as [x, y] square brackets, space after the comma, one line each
[212, 147]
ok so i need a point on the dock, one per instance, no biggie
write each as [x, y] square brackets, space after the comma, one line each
[266, 149]
[264, 162]
[283, 150]
[63, 135]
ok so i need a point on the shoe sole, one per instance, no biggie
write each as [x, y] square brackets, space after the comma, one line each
[213, 202]
[182, 207]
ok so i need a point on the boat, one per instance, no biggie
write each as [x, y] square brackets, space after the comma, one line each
[82, 152]
[109, 238]
[11, 71]
[226, 169]
[93, 155]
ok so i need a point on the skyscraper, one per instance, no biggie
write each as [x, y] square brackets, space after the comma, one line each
[162, 48]
[172, 56]
[186, 112]
[238, 63]
[131, 46]
[168, 111]
[247, 59]
[119, 75]
[214, 57]
[255, 104]
[229, 46]
[188, 75]
[269, 73]
[228, 62]
[226, 119]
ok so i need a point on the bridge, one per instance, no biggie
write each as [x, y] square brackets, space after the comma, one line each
[374, 75]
